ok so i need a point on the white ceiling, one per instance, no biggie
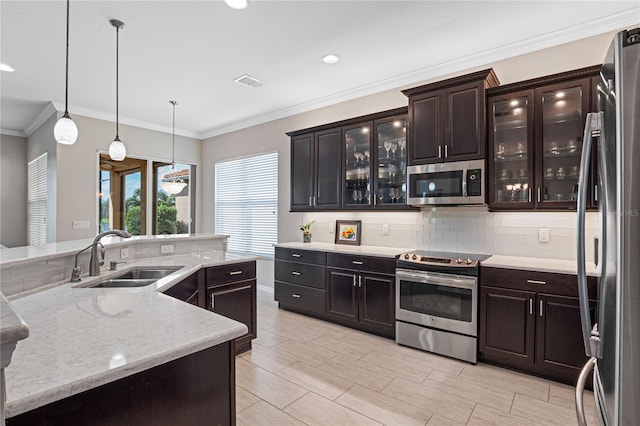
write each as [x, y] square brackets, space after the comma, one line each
[191, 51]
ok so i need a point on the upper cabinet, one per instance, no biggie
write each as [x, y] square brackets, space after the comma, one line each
[535, 141]
[446, 120]
[354, 164]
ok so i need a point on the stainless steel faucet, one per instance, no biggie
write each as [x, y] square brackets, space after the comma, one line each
[94, 262]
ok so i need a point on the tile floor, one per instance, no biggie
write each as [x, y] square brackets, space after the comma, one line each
[304, 371]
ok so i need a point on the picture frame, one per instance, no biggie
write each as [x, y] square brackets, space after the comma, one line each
[348, 232]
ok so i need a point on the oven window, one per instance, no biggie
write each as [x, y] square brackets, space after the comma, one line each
[437, 184]
[436, 300]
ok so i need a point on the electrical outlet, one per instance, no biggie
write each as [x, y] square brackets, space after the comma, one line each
[385, 229]
[166, 248]
[543, 235]
[332, 227]
[124, 253]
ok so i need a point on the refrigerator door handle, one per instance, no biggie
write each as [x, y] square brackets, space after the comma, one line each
[592, 127]
[582, 380]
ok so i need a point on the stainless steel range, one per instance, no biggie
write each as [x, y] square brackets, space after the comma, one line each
[437, 302]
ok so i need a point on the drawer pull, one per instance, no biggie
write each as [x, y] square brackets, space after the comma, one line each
[295, 255]
[541, 302]
[530, 306]
[213, 301]
[235, 273]
[296, 273]
[536, 282]
[354, 280]
[296, 296]
[357, 262]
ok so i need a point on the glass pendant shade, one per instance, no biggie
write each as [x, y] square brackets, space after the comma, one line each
[117, 150]
[173, 188]
[65, 131]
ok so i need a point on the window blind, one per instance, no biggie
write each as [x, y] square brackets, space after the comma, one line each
[37, 200]
[246, 203]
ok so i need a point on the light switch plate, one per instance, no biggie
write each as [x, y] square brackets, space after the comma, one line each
[166, 248]
[80, 224]
[543, 235]
[385, 229]
[332, 227]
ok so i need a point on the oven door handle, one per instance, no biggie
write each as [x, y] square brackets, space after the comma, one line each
[427, 278]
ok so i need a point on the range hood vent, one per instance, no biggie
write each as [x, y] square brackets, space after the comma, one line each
[247, 80]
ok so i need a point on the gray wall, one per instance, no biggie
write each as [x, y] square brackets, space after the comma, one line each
[13, 191]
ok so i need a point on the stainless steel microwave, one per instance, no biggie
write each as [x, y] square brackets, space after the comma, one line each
[460, 182]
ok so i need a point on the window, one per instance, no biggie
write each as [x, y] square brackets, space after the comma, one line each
[172, 211]
[37, 200]
[246, 203]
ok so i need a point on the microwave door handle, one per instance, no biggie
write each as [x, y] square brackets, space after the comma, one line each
[464, 182]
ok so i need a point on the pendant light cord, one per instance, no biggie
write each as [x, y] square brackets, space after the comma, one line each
[117, 56]
[173, 138]
[66, 81]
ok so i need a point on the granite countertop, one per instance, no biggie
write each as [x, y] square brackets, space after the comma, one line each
[347, 249]
[81, 338]
[13, 328]
[557, 266]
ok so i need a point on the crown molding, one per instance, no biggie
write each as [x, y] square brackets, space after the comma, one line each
[482, 59]
[44, 115]
[11, 132]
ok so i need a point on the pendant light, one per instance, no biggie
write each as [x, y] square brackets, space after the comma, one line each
[172, 185]
[65, 130]
[117, 150]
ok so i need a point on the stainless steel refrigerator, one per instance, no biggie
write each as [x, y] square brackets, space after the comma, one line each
[613, 341]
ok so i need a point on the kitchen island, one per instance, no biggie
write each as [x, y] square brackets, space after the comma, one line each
[124, 355]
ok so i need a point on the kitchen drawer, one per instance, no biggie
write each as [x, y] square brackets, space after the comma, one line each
[306, 298]
[225, 274]
[300, 273]
[304, 256]
[546, 282]
[382, 265]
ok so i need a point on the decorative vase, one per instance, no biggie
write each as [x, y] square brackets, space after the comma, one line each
[306, 237]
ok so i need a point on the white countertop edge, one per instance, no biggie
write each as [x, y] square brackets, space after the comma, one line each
[28, 254]
[13, 327]
[558, 266]
[379, 251]
[33, 401]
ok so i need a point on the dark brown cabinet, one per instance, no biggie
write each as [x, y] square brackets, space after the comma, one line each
[190, 289]
[315, 170]
[353, 164]
[535, 141]
[361, 290]
[231, 292]
[524, 326]
[446, 120]
[300, 280]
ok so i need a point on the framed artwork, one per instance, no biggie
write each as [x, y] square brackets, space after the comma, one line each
[348, 232]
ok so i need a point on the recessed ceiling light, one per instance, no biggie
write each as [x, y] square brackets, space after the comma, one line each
[237, 4]
[330, 58]
[6, 68]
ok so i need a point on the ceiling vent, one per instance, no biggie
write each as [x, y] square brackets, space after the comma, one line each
[247, 80]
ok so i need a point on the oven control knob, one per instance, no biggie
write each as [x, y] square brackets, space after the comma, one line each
[459, 260]
[468, 261]
[414, 257]
[406, 256]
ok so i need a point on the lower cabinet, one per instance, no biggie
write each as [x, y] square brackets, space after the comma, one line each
[356, 291]
[189, 290]
[231, 292]
[524, 326]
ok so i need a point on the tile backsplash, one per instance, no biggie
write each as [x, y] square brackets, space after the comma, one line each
[469, 229]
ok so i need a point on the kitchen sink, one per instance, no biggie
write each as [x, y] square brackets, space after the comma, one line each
[144, 272]
[118, 282]
[137, 277]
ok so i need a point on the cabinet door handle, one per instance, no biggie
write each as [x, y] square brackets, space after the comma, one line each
[296, 273]
[359, 280]
[357, 262]
[296, 296]
[354, 280]
[314, 201]
[529, 194]
[595, 193]
[539, 192]
[446, 151]
[536, 282]
[530, 306]
[235, 273]
[213, 301]
[439, 151]
[541, 303]
[310, 201]
[295, 255]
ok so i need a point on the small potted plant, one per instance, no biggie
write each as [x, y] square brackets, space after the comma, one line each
[306, 231]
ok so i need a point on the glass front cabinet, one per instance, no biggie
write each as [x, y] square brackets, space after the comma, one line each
[375, 164]
[535, 146]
